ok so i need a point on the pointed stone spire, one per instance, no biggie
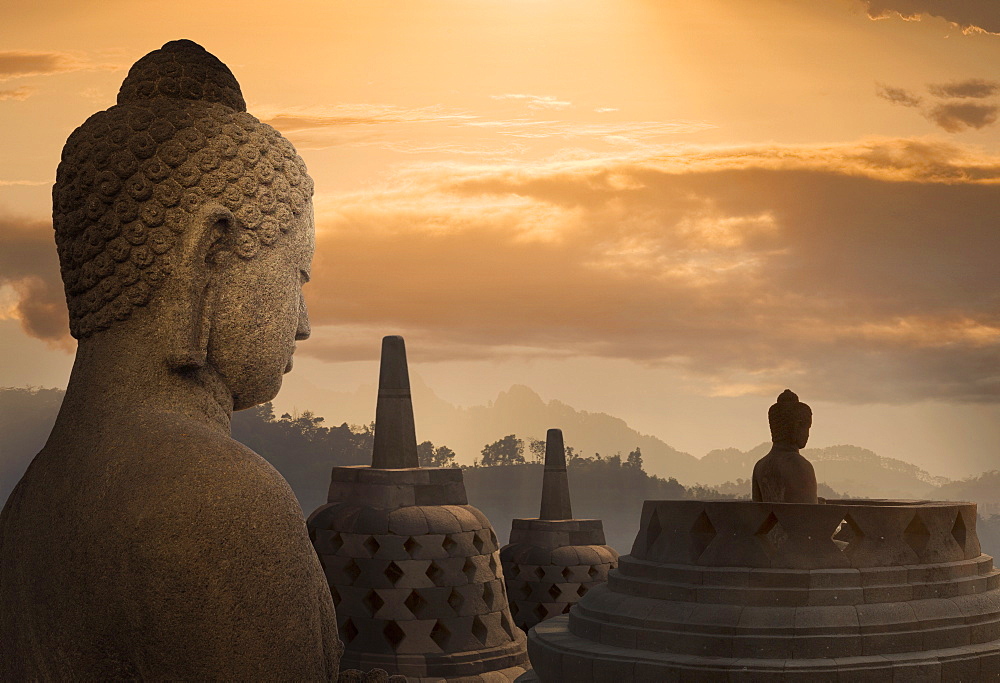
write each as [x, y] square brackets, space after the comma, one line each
[395, 435]
[555, 485]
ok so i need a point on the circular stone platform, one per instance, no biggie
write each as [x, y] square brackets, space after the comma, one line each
[732, 590]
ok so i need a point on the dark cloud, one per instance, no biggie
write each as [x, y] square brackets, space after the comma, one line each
[897, 95]
[860, 272]
[14, 63]
[972, 88]
[29, 266]
[955, 117]
[969, 15]
[865, 273]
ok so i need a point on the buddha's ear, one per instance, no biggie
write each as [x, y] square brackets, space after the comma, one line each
[189, 294]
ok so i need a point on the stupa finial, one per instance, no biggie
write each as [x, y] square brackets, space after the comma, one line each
[555, 484]
[395, 434]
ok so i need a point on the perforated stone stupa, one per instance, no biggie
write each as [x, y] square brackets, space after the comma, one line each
[413, 568]
[852, 590]
[552, 561]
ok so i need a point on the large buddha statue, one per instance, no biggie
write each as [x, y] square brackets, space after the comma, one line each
[784, 475]
[144, 542]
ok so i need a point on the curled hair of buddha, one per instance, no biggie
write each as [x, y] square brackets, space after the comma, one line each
[786, 414]
[132, 177]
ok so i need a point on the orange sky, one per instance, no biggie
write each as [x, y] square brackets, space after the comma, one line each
[666, 211]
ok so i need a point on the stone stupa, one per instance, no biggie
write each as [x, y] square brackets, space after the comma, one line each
[413, 568]
[554, 559]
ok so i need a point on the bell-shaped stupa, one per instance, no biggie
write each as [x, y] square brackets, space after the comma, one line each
[552, 561]
[413, 568]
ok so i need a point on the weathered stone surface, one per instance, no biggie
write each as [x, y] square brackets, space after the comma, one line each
[673, 611]
[143, 542]
[395, 433]
[551, 562]
[783, 475]
[555, 485]
[414, 570]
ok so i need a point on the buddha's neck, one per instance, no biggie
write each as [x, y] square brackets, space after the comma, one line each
[121, 375]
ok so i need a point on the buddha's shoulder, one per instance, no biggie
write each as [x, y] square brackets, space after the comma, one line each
[187, 459]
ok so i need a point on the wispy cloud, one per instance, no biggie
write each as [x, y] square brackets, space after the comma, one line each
[898, 96]
[20, 63]
[953, 111]
[971, 87]
[972, 16]
[624, 130]
[357, 115]
[536, 101]
[29, 183]
[19, 94]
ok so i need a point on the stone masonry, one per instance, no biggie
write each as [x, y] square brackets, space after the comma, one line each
[552, 561]
[413, 568]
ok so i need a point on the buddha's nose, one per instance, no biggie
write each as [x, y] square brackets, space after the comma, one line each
[302, 330]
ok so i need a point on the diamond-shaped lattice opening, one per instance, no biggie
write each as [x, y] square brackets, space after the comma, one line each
[440, 635]
[479, 629]
[434, 572]
[416, 604]
[455, 600]
[493, 564]
[513, 609]
[393, 634]
[371, 546]
[411, 546]
[594, 573]
[653, 529]
[493, 539]
[566, 573]
[771, 534]
[702, 533]
[582, 590]
[506, 625]
[916, 534]
[352, 570]
[540, 612]
[566, 607]
[334, 544]
[469, 569]
[373, 601]
[539, 573]
[393, 572]
[847, 534]
[524, 590]
[958, 531]
[554, 592]
[488, 595]
[449, 544]
[336, 595]
[348, 631]
[477, 542]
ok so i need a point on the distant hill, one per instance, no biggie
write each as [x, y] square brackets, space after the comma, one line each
[850, 470]
[984, 490]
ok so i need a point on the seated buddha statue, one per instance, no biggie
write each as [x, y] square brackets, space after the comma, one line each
[143, 542]
[784, 475]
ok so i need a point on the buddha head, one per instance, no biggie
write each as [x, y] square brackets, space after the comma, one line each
[177, 210]
[790, 420]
